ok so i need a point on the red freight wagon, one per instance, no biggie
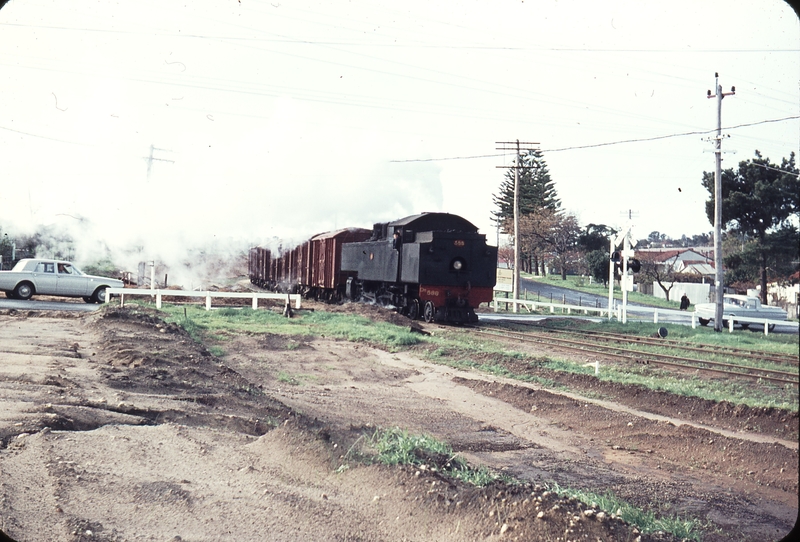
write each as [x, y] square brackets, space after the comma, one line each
[326, 278]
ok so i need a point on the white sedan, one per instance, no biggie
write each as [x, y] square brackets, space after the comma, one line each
[35, 276]
[739, 305]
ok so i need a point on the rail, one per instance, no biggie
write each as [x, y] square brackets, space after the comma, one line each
[208, 295]
[617, 311]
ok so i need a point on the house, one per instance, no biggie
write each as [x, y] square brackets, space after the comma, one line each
[786, 295]
[695, 261]
[689, 261]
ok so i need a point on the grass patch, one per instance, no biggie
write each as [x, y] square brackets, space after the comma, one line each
[719, 390]
[468, 351]
[646, 521]
[286, 378]
[458, 349]
[706, 336]
[581, 284]
[202, 325]
[398, 447]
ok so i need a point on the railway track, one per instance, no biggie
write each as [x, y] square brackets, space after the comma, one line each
[612, 345]
[700, 348]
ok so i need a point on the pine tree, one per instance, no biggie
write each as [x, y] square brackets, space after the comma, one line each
[537, 193]
[536, 190]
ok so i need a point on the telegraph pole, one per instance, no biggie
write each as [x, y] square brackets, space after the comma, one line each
[517, 165]
[718, 282]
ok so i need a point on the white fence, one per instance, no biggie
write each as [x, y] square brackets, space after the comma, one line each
[208, 295]
[617, 312]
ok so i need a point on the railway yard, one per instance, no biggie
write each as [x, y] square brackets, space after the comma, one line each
[119, 425]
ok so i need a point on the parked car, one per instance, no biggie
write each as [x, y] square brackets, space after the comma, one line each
[35, 276]
[739, 305]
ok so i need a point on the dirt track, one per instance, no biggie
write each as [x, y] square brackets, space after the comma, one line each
[119, 427]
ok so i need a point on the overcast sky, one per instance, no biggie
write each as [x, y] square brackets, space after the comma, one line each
[161, 124]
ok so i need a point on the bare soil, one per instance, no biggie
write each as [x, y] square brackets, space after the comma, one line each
[115, 426]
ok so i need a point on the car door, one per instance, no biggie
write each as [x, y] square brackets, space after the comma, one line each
[45, 278]
[70, 283]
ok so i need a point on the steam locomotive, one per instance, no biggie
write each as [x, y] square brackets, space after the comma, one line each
[431, 265]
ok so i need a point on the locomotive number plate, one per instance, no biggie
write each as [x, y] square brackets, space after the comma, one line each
[459, 243]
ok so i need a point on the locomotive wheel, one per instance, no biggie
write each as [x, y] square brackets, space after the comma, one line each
[430, 310]
[413, 309]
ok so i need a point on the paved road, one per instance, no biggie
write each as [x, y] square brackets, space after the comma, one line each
[555, 294]
[547, 293]
[36, 305]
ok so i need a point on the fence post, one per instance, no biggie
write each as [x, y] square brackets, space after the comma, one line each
[158, 300]
[766, 327]
[694, 320]
[655, 316]
[255, 303]
[208, 301]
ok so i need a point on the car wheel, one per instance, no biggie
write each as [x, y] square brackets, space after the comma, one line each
[99, 295]
[703, 321]
[88, 299]
[10, 295]
[23, 291]
[429, 312]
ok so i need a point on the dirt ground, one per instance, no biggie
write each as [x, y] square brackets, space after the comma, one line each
[116, 427]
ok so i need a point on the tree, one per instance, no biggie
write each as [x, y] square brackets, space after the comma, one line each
[597, 264]
[554, 232]
[660, 272]
[595, 237]
[758, 199]
[743, 257]
[536, 193]
[505, 255]
[536, 189]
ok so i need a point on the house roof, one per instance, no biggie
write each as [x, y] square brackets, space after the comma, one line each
[683, 254]
[699, 268]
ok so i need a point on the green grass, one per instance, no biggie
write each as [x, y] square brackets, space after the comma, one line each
[398, 447]
[581, 284]
[750, 340]
[458, 349]
[647, 521]
[202, 324]
[286, 378]
[461, 349]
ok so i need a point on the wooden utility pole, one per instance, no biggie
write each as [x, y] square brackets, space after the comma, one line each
[517, 165]
[718, 277]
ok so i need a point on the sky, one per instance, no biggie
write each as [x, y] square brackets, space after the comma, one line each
[150, 127]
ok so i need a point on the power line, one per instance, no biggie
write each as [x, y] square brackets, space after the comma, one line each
[704, 132]
[449, 158]
[372, 44]
[608, 143]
